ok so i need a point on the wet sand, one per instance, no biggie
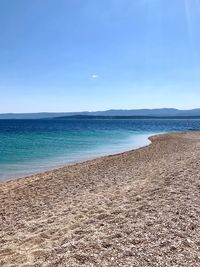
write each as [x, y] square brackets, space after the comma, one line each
[139, 208]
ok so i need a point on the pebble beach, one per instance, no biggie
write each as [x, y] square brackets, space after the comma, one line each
[139, 208]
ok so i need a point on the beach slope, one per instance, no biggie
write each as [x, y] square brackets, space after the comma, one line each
[138, 208]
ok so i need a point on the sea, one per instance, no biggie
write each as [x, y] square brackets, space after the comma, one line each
[33, 146]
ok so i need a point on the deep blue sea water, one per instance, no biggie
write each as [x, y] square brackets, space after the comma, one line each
[29, 146]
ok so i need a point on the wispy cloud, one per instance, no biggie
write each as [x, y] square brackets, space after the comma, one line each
[95, 76]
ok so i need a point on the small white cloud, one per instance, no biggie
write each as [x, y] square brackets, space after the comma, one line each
[95, 76]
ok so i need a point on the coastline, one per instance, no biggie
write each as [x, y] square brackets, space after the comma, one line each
[145, 141]
[136, 208]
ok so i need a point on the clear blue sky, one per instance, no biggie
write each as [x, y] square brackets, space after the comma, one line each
[73, 55]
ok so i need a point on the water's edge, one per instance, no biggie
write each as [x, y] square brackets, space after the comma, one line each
[79, 161]
[31, 147]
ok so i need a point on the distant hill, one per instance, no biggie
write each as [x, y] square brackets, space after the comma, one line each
[163, 112]
[94, 117]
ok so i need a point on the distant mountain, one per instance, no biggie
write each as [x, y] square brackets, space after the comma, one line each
[163, 112]
[94, 117]
[149, 112]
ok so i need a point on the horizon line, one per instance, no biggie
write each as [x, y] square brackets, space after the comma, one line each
[111, 109]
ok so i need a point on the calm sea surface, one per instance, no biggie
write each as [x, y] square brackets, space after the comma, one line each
[29, 146]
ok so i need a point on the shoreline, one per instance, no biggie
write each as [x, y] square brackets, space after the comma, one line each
[136, 208]
[74, 162]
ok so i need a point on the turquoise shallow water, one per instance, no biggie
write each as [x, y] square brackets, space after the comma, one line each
[30, 146]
